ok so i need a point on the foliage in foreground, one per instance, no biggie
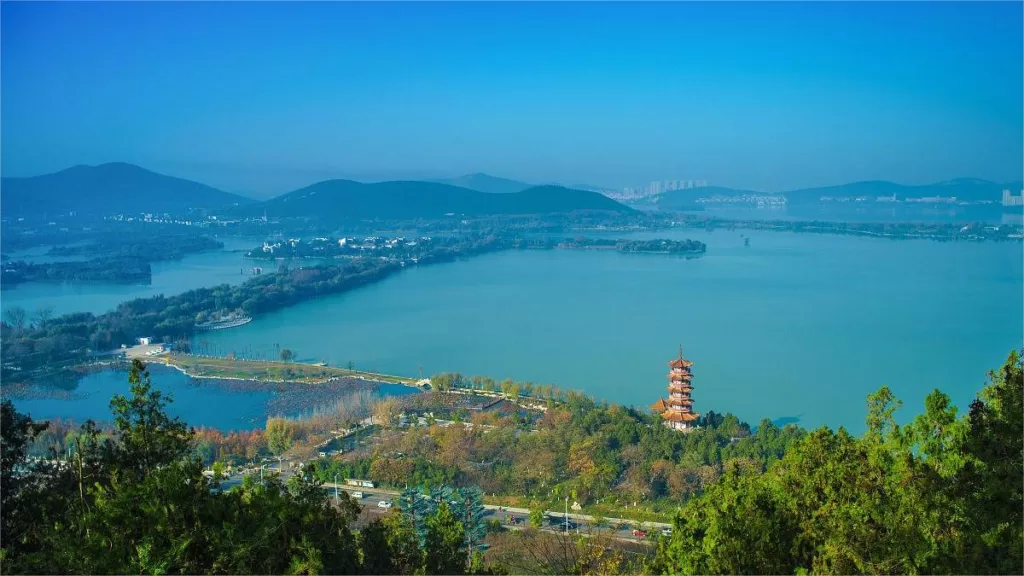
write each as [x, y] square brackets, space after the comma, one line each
[938, 496]
[139, 503]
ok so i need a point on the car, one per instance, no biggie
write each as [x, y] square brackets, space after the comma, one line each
[357, 494]
[639, 533]
[666, 532]
[385, 504]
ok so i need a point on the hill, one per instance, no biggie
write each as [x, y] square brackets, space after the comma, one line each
[114, 188]
[486, 183]
[966, 189]
[346, 199]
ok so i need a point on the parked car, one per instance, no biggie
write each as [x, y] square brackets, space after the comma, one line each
[666, 532]
[357, 494]
[386, 504]
[639, 533]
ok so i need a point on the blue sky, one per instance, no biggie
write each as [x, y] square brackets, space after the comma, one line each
[262, 97]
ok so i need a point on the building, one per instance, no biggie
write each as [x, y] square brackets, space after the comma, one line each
[145, 341]
[677, 411]
[1010, 200]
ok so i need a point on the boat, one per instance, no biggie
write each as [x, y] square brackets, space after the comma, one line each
[224, 323]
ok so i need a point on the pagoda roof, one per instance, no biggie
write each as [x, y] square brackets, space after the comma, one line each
[680, 416]
[680, 363]
[659, 406]
[681, 376]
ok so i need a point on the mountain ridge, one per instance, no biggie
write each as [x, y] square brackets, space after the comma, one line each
[411, 199]
[485, 183]
[114, 187]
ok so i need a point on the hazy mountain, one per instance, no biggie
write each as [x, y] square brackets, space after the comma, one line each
[108, 189]
[486, 183]
[343, 199]
[969, 189]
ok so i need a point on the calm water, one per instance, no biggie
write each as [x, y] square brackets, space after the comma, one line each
[198, 403]
[792, 327]
[169, 278]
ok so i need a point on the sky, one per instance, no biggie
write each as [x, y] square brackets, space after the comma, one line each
[260, 98]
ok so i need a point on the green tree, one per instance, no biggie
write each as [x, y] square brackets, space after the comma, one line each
[287, 355]
[147, 436]
[16, 433]
[536, 517]
[445, 539]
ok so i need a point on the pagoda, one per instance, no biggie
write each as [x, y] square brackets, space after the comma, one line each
[677, 410]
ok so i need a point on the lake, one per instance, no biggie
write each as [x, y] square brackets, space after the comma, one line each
[795, 327]
[169, 278]
[201, 403]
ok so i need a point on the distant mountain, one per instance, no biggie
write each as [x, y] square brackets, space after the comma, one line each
[115, 188]
[967, 189]
[486, 183]
[346, 199]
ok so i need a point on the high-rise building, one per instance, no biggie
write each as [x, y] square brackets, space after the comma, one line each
[1010, 200]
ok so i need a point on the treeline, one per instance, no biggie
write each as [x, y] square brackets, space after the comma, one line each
[940, 231]
[941, 495]
[138, 503]
[580, 448]
[657, 246]
[117, 270]
[143, 247]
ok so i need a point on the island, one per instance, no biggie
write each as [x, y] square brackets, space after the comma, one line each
[103, 270]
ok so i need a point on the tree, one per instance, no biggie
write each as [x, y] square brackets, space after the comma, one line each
[386, 412]
[147, 437]
[16, 316]
[536, 517]
[43, 314]
[280, 435]
[287, 354]
[444, 543]
[16, 432]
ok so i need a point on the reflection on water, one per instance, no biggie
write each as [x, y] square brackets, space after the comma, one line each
[225, 405]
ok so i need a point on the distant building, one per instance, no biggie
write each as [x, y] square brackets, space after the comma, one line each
[145, 340]
[1010, 200]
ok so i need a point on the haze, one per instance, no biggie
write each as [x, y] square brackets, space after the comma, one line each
[259, 98]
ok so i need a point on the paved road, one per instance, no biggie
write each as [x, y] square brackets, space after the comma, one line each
[513, 518]
[554, 521]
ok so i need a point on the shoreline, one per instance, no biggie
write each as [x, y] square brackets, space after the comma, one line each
[369, 377]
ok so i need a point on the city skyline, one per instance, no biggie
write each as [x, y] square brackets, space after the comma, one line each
[259, 98]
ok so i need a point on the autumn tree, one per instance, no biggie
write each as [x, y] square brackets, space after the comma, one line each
[280, 435]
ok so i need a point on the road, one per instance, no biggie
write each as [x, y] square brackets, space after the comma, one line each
[554, 521]
[512, 518]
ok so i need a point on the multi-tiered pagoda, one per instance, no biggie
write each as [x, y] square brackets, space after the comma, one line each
[677, 411]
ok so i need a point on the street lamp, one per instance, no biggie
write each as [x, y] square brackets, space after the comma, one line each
[566, 514]
[262, 466]
[336, 497]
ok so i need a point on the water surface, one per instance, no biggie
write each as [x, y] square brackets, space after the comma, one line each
[796, 326]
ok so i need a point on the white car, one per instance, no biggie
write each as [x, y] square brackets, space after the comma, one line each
[385, 504]
[357, 494]
[666, 531]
